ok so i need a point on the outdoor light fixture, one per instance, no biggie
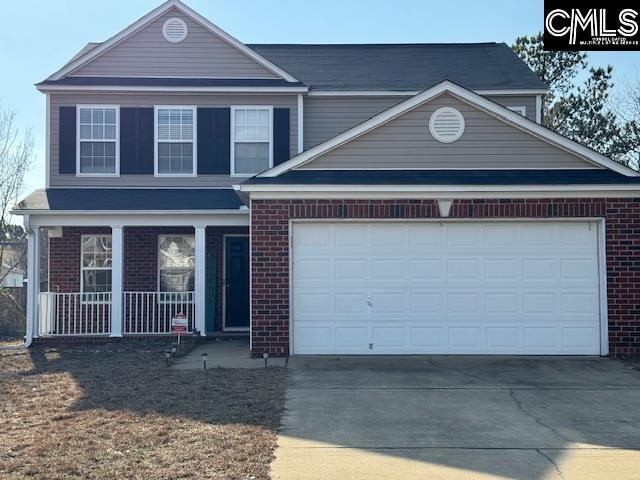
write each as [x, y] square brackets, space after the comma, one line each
[204, 360]
[265, 355]
[167, 355]
[174, 349]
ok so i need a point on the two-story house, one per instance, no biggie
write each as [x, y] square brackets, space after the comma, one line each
[325, 199]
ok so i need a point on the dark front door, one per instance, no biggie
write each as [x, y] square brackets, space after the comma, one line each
[236, 311]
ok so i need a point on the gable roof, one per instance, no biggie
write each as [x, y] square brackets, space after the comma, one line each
[403, 67]
[482, 103]
[90, 53]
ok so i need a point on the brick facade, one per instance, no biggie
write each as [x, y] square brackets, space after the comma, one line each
[270, 253]
[140, 258]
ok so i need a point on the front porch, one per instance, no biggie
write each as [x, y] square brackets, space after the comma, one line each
[126, 274]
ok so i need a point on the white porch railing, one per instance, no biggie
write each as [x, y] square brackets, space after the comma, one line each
[151, 312]
[143, 313]
[74, 313]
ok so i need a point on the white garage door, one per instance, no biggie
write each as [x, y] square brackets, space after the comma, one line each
[473, 288]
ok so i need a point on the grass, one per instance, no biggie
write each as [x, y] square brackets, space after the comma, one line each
[118, 412]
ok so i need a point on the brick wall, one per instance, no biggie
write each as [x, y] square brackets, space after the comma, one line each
[140, 258]
[270, 253]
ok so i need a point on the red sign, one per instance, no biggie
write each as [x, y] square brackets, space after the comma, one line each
[179, 324]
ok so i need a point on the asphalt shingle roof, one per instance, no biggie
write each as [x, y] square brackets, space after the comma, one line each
[475, 66]
[130, 199]
[447, 177]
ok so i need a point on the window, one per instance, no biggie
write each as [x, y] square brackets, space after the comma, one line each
[522, 110]
[176, 263]
[251, 140]
[98, 140]
[96, 267]
[175, 147]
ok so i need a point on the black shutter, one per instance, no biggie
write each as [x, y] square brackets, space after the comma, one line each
[214, 141]
[281, 131]
[67, 141]
[136, 141]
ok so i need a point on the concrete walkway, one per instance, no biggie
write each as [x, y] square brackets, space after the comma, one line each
[459, 418]
[225, 354]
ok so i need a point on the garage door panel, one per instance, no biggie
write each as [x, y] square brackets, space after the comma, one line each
[352, 337]
[424, 235]
[466, 338]
[463, 269]
[508, 288]
[350, 269]
[579, 338]
[506, 338]
[463, 235]
[388, 235]
[350, 235]
[502, 269]
[385, 269]
[426, 269]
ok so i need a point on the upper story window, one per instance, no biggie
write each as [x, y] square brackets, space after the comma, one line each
[251, 140]
[98, 140]
[521, 109]
[175, 142]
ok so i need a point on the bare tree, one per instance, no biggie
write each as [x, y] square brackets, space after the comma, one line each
[16, 155]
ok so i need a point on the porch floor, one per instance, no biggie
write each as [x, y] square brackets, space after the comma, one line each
[227, 354]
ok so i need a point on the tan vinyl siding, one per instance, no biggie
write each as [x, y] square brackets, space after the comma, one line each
[487, 143]
[326, 117]
[149, 100]
[147, 54]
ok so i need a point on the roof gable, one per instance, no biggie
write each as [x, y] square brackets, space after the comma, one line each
[487, 143]
[140, 50]
[346, 141]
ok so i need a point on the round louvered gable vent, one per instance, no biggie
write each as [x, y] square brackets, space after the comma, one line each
[174, 30]
[446, 124]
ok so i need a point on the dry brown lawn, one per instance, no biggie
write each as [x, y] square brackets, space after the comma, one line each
[117, 412]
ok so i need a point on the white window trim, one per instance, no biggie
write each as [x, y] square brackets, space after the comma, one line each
[160, 235]
[194, 172]
[232, 168]
[117, 140]
[521, 109]
[84, 295]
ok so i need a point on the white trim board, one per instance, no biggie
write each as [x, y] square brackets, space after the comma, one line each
[104, 219]
[137, 88]
[152, 15]
[437, 191]
[502, 113]
[411, 93]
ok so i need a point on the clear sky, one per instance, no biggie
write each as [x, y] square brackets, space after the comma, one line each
[38, 36]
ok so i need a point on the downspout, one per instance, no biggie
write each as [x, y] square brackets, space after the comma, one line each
[29, 323]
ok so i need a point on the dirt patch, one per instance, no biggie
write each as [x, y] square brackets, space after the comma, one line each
[117, 411]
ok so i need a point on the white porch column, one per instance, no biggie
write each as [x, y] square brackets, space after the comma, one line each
[33, 281]
[117, 269]
[200, 291]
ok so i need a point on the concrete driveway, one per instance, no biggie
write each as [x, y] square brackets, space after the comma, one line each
[459, 418]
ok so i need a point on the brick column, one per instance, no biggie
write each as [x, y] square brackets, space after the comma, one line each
[270, 277]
